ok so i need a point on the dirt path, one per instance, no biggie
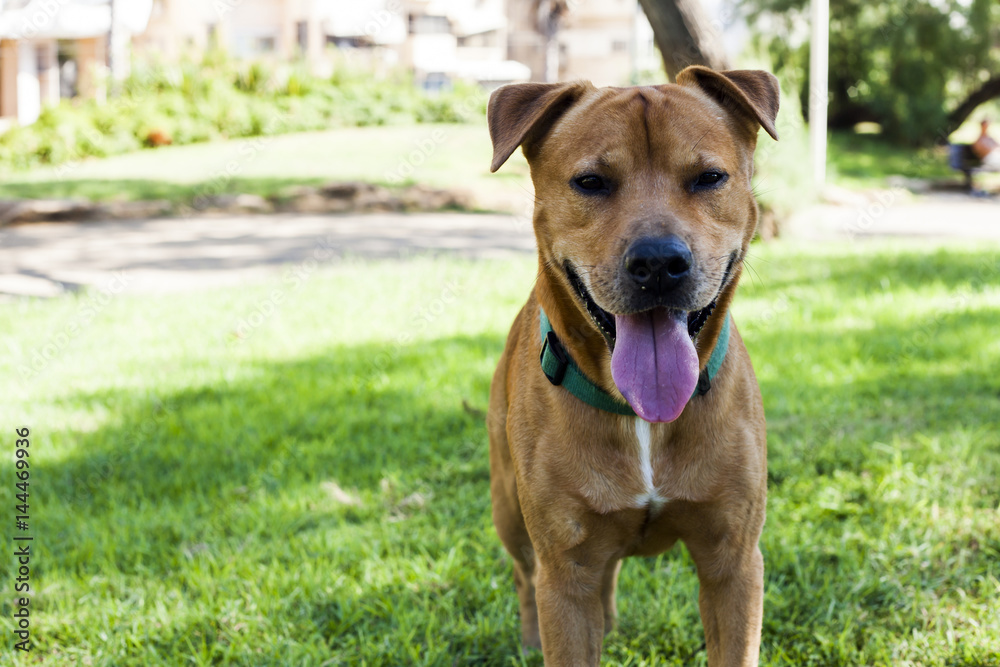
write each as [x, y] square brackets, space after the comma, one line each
[175, 254]
[897, 213]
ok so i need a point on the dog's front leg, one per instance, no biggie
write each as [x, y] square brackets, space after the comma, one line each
[731, 600]
[570, 610]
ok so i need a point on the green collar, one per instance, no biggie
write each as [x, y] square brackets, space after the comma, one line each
[561, 370]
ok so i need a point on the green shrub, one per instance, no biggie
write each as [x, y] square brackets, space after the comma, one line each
[254, 77]
[298, 82]
[215, 98]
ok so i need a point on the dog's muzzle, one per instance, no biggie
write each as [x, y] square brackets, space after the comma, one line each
[656, 267]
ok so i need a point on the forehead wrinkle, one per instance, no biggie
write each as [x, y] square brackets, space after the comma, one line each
[689, 139]
[645, 123]
[606, 151]
[666, 123]
[632, 108]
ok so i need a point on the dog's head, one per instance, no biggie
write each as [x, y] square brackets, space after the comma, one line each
[643, 209]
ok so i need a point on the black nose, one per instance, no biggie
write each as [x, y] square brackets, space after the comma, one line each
[658, 264]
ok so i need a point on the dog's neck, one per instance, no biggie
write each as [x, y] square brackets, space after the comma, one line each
[576, 331]
[709, 334]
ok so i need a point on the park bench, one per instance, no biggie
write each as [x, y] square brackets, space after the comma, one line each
[961, 158]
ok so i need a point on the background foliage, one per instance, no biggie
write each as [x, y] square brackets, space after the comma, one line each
[903, 64]
[217, 98]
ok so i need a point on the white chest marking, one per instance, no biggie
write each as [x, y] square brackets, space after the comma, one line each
[650, 497]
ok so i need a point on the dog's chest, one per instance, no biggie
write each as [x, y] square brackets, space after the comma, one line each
[649, 496]
[639, 472]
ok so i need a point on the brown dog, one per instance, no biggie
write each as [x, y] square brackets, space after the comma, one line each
[643, 216]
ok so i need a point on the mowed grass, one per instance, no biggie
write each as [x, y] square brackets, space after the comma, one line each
[864, 161]
[435, 155]
[439, 156]
[285, 474]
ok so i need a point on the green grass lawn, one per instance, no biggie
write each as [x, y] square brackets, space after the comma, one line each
[284, 473]
[864, 161]
[446, 156]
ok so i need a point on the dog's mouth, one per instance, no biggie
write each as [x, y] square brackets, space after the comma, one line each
[605, 321]
[654, 361]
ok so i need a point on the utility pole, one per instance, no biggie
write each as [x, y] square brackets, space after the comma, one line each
[551, 13]
[114, 65]
[819, 67]
[548, 14]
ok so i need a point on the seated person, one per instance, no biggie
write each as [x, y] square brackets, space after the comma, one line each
[986, 148]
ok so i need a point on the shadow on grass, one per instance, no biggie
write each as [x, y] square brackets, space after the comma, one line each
[355, 415]
[359, 456]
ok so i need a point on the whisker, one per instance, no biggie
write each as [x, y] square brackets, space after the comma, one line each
[756, 276]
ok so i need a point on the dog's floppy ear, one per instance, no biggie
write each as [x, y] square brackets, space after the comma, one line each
[522, 112]
[751, 93]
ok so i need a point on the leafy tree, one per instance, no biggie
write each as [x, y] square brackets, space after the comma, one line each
[917, 67]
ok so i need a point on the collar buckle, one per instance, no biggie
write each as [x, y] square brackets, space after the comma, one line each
[553, 358]
[704, 383]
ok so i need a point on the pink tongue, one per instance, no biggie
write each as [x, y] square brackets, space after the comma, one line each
[654, 363]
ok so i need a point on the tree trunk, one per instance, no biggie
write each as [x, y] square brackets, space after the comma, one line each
[684, 34]
[984, 93]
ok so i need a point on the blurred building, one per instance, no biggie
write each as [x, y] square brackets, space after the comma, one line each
[605, 41]
[51, 50]
[498, 41]
[488, 41]
[281, 29]
[609, 42]
[439, 40]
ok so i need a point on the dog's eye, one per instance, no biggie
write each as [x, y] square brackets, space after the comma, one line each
[591, 184]
[710, 179]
